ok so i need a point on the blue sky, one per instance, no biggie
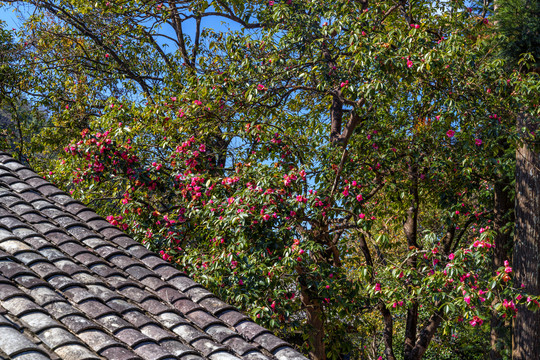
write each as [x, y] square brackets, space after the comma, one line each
[10, 17]
[14, 20]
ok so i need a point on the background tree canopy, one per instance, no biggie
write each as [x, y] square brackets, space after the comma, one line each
[342, 171]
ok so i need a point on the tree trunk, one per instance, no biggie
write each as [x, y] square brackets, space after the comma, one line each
[425, 336]
[503, 208]
[388, 333]
[410, 228]
[336, 119]
[526, 327]
[315, 319]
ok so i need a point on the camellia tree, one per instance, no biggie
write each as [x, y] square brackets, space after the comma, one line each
[331, 167]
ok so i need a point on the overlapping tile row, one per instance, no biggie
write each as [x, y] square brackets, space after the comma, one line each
[72, 286]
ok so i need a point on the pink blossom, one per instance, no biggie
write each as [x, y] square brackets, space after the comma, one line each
[451, 256]
[476, 321]
[377, 287]
[478, 142]
[450, 133]
[362, 216]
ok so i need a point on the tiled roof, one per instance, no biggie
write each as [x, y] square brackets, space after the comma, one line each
[72, 286]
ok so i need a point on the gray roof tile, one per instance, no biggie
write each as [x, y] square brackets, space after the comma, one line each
[239, 345]
[176, 348]
[152, 351]
[97, 339]
[254, 355]
[132, 337]
[269, 341]
[29, 257]
[171, 319]
[20, 305]
[221, 355]
[170, 294]
[167, 271]
[57, 336]
[113, 323]
[186, 305]
[31, 355]
[44, 295]
[250, 330]
[119, 353]
[199, 293]
[214, 305]
[95, 308]
[288, 353]
[181, 282]
[30, 281]
[15, 342]
[189, 333]
[155, 332]
[38, 321]
[154, 306]
[207, 346]
[11, 269]
[220, 332]
[76, 352]
[232, 317]
[61, 309]
[202, 319]
[138, 319]
[78, 323]
[7, 291]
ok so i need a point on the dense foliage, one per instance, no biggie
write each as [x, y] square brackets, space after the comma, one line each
[331, 168]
